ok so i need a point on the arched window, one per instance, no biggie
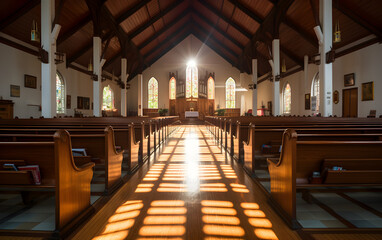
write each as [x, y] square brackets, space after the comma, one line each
[230, 93]
[153, 93]
[211, 88]
[108, 98]
[287, 99]
[315, 92]
[60, 93]
[191, 81]
[172, 88]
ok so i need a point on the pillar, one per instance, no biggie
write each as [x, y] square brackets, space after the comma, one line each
[48, 70]
[254, 91]
[306, 80]
[326, 70]
[140, 95]
[97, 69]
[124, 76]
[276, 72]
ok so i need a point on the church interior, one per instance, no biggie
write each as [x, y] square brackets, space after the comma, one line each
[190, 119]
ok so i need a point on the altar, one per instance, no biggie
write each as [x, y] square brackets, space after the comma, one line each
[191, 114]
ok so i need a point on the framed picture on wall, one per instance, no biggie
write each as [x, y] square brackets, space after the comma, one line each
[86, 101]
[368, 91]
[307, 101]
[15, 91]
[30, 81]
[336, 97]
[349, 80]
[80, 102]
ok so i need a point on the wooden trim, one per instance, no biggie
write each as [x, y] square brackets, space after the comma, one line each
[18, 46]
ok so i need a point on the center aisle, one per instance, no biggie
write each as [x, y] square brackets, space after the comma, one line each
[192, 190]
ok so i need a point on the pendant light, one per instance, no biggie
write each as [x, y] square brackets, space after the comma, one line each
[283, 66]
[35, 35]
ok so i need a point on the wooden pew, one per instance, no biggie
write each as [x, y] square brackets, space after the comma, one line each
[299, 158]
[59, 173]
[99, 144]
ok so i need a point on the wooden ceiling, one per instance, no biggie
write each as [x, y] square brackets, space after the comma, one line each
[144, 30]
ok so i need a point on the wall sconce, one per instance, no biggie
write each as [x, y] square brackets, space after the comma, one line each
[94, 77]
[283, 66]
[90, 67]
[277, 78]
[35, 35]
[127, 86]
[252, 86]
[337, 32]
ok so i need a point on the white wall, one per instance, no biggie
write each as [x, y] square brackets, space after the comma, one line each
[176, 60]
[15, 63]
[364, 63]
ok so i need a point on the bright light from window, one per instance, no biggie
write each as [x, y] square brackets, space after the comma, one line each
[191, 63]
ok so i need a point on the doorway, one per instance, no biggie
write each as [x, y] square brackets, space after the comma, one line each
[350, 102]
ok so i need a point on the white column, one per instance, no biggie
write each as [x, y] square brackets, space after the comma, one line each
[140, 95]
[123, 90]
[48, 70]
[305, 82]
[254, 91]
[326, 70]
[275, 72]
[97, 91]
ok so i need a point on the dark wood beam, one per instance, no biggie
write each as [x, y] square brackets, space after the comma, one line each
[165, 28]
[215, 49]
[292, 56]
[173, 43]
[219, 43]
[226, 19]
[131, 11]
[82, 23]
[244, 9]
[111, 60]
[216, 28]
[155, 18]
[304, 34]
[315, 13]
[357, 18]
[95, 7]
[57, 14]
[29, 5]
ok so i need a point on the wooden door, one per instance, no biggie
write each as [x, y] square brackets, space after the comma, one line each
[350, 102]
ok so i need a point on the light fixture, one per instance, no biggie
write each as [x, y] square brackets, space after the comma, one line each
[337, 32]
[283, 66]
[35, 35]
[90, 67]
[191, 63]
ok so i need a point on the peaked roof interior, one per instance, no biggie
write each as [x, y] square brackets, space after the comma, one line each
[144, 30]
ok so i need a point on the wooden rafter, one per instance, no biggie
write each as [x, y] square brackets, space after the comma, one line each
[152, 20]
[226, 19]
[82, 23]
[244, 9]
[357, 19]
[19, 13]
[217, 29]
[111, 60]
[302, 32]
[214, 48]
[165, 28]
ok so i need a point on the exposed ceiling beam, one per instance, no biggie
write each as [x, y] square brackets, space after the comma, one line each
[173, 43]
[213, 47]
[131, 11]
[216, 28]
[357, 19]
[304, 34]
[211, 36]
[155, 18]
[292, 56]
[244, 9]
[165, 28]
[29, 5]
[111, 60]
[226, 19]
[82, 23]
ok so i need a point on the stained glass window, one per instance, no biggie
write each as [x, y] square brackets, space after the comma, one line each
[287, 99]
[153, 93]
[211, 88]
[191, 81]
[315, 94]
[172, 88]
[60, 93]
[108, 99]
[230, 93]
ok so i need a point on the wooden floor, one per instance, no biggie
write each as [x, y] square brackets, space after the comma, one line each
[190, 190]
